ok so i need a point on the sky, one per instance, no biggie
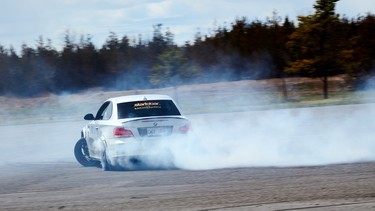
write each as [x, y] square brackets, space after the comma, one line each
[24, 21]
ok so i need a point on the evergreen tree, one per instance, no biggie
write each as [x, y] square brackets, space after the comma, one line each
[314, 44]
[173, 68]
[359, 48]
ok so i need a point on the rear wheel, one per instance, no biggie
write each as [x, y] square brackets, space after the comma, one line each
[81, 152]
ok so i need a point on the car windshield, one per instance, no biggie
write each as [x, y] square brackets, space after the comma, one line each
[147, 108]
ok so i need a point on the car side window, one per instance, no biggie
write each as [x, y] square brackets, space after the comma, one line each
[108, 112]
[101, 114]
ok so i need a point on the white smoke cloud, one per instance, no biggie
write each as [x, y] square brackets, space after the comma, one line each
[290, 137]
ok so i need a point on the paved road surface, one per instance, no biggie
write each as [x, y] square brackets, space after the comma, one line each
[67, 186]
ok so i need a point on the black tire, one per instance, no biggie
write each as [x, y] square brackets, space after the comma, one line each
[81, 152]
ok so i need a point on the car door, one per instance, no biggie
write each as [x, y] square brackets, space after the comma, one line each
[95, 129]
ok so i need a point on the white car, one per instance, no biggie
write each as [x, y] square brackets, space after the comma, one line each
[126, 128]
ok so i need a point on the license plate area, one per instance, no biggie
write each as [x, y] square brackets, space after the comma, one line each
[155, 131]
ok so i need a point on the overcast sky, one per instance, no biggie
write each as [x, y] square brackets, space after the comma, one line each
[23, 21]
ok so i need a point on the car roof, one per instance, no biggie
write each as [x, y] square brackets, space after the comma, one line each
[131, 98]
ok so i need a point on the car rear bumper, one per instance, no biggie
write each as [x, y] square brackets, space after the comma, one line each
[118, 148]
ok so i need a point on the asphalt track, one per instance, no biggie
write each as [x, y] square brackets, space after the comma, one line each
[46, 177]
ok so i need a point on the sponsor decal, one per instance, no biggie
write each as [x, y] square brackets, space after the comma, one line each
[146, 105]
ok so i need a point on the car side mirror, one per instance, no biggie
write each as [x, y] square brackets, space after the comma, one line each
[89, 117]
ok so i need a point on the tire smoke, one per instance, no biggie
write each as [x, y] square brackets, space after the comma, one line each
[278, 138]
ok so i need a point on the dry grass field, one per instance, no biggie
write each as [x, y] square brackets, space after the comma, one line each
[198, 98]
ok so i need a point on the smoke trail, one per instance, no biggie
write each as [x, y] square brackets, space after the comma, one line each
[291, 137]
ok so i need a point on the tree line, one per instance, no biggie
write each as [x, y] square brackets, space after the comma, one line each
[319, 45]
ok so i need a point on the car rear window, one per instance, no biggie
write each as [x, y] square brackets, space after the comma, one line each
[147, 108]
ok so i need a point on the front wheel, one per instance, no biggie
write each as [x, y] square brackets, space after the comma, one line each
[81, 152]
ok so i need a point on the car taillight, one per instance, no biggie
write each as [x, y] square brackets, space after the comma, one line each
[184, 129]
[120, 132]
